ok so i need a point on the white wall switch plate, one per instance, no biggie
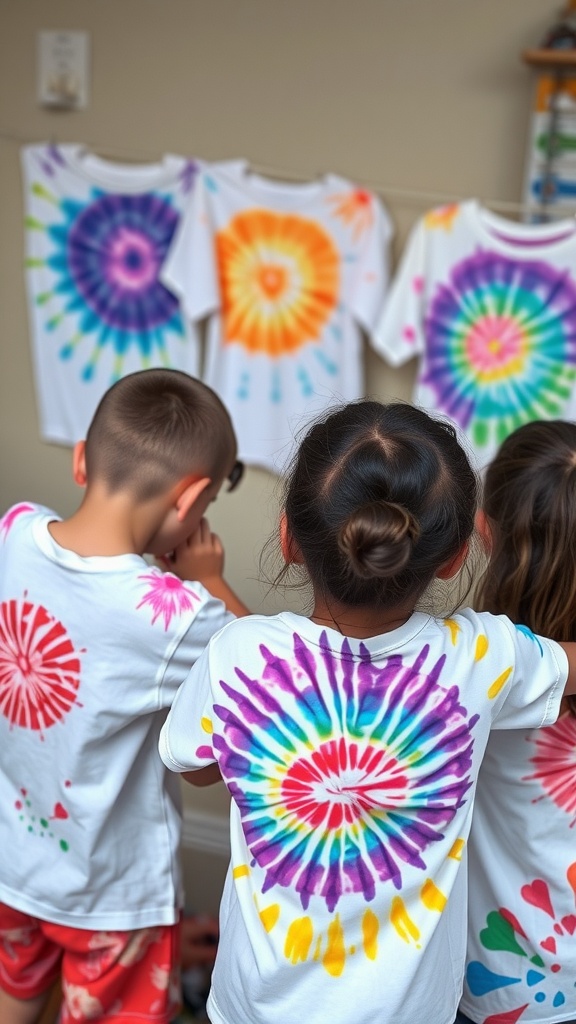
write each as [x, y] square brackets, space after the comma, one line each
[63, 59]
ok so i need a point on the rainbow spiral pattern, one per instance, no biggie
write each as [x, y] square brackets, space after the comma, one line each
[501, 344]
[279, 278]
[343, 771]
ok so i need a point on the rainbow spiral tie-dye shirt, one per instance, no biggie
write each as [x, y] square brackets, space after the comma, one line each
[288, 274]
[97, 234]
[352, 768]
[489, 308]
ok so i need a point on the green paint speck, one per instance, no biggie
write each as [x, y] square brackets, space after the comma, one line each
[64, 845]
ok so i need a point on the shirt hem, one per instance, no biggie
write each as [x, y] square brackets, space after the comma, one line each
[91, 921]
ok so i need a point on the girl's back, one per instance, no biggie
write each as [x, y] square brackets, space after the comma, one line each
[352, 767]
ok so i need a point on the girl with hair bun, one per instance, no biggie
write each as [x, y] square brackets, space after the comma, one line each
[351, 740]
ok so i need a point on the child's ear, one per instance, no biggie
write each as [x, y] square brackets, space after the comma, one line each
[79, 463]
[446, 572]
[484, 530]
[290, 551]
[188, 495]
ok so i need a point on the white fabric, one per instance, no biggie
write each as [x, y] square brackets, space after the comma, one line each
[489, 308]
[522, 868]
[92, 651]
[352, 766]
[96, 235]
[288, 274]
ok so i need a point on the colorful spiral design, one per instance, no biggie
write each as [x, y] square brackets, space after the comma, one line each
[109, 255]
[343, 771]
[279, 278]
[501, 344]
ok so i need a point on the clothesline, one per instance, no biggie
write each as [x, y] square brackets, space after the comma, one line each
[417, 197]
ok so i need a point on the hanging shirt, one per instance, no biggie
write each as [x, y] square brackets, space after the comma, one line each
[96, 236]
[288, 275]
[489, 307]
[92, 652]
[521, 961]
[352, 767]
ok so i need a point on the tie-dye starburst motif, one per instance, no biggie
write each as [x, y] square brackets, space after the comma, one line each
[355, 209]
[501, 344]
[106, 256]
[39, 666]
[555, 763]
[167, 596]
[279, 278]
[343, 772]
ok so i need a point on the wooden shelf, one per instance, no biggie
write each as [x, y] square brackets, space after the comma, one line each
[550, 58]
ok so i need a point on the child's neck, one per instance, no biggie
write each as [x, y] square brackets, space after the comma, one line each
[359, 623]
[103, 526]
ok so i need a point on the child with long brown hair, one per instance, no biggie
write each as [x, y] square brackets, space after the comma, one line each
[521, 962]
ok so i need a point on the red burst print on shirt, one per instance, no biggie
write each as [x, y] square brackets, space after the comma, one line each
[39, 667]
[555, 763]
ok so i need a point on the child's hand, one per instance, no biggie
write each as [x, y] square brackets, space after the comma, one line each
[200, 557]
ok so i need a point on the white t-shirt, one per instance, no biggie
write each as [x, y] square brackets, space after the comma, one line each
[489, 307]
[288, 274]
[521, 959]
[92, 651]
[96, 236]
[352, 767]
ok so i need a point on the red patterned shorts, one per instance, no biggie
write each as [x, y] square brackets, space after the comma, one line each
[110, 976]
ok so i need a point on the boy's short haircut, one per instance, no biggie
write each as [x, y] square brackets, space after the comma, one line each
[155, 427]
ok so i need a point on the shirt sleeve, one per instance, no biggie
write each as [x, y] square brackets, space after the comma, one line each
[186, 736]
[372, 274]
[538, 678]
[188, 646]
[399, 333]
[191, 267]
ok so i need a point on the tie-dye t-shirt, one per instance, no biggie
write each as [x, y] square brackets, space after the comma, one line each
[92, 651]
[489, 307]
[521, 962]
[352, 767]
[288, 274]
[97, 234]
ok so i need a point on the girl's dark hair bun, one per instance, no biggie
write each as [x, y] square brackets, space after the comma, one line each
[378, 539]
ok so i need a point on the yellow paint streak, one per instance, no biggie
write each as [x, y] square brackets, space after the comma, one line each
[498, 684]
[240, 871]
[335, 956]
[299, 939]
[370, 928]
[402, 921]
[432, 897]
[206, 724]
[269, 916]
[457, 849]
[481, 647]
[318, 948]
[454, 630]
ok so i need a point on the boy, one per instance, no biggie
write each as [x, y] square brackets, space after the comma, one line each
[93, 646]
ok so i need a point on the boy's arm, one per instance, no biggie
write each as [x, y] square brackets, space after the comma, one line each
[201, 557]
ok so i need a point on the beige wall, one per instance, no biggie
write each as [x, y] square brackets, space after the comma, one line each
[425, 95]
